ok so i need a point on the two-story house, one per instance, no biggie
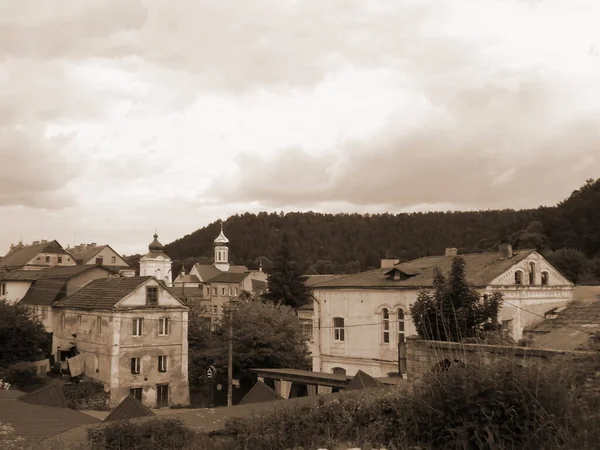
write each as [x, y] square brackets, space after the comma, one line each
[101, 255]
[132, 336]
[38, 255]
[360, 319]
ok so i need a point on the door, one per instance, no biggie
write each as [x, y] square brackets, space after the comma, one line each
[137, 393]
[162, 395]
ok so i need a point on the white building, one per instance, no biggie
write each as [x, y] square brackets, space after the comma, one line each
[155, 263]
[359, 319]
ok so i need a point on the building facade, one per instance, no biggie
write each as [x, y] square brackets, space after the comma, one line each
[360, 319]
[38, 255]
[156, 263]
[131, 334]
[101, 255]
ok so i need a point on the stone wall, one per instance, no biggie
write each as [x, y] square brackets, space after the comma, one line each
[422, 357]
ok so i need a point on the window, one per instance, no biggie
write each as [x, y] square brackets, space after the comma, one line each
[400, 314]
[236, 291]
[2, 288]
[60, 259]
[99, 324]
[385, 317]
[99, 260]
[62, 321]
[47, 259]
[163, 326]
[338, 371]
[96, 363]
[307, 331]
[545, 278]
[223, 291]
[208, 292]
[214, 327]
[137, 326]
[215, 309]
[113, 259]
[531, 273]
[230, 291]
[151, 295]
[338, 329]
[136, 364]
[162, 363]
[215, 291]
[519, 277]
[136, 393]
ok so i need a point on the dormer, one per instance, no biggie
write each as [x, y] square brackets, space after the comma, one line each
[400, 274]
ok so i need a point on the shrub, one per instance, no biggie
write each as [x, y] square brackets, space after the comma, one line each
[144, 435]
[22, 377]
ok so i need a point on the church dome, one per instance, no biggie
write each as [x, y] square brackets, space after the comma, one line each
[221, 239]
[155, 245]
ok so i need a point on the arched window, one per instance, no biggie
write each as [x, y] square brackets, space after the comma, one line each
[338, 371]
[338, 329]
[385, 318]
[519, 277]
[545, 278]
[531, 273]
[400, 325]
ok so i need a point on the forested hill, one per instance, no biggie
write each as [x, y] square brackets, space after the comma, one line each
[352, 242]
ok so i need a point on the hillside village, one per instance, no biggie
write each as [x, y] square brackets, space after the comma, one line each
[128, 332]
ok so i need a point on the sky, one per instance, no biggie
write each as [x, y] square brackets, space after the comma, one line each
[121, 117]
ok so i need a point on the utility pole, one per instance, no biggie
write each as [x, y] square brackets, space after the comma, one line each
[230, 356]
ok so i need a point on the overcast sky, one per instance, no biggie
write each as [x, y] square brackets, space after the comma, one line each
[119, 117]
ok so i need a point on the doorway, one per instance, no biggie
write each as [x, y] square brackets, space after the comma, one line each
[162, 395]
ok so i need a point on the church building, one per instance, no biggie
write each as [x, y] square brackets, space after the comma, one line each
[156, 263]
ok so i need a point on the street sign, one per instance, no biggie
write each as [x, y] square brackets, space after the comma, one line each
[211, 373]
[235, 383]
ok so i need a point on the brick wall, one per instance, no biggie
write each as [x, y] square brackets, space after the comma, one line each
[423, 356]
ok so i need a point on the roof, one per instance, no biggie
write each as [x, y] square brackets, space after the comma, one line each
[28, 423]
[363, 380]
[259, 393]
[237, 269]
[228, 277]
[84, 254]
[62, 272]
[45, 292]
[52, 395]
[206, 271]
[182, 293]
[258, 285]
[480, 270]
[310, 280]
[129, 408]
[187, 279]
[103, 293]
[21, 255]
[221, 239]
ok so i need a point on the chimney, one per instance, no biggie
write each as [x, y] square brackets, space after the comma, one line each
[35, 242]
[505, 251]
[93, 244]
[451, 251]
[44, 241]
[182, 273]
[389, 262]
[83, 246]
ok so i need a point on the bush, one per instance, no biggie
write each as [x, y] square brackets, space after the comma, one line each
[144, 435]
[21, 377]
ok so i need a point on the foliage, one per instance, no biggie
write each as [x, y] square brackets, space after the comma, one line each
[571, 262]
[23, 337]
[454, 311]
[21, 377]
[146, 435]
[340, 239]
[264, 336]
[285, 282]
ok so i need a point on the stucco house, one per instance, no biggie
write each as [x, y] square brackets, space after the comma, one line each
[359, 319]
[38, 255]
[101, 255]
[131, 334]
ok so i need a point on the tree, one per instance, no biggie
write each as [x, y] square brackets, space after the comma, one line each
[286, 284]
[571, 262]
[454, 311]
[265, 335]
[22, 337]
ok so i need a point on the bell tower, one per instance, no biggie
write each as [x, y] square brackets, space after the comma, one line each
[221, 252]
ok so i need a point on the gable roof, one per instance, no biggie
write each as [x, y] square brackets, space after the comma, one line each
[258, 285]
[45, 292]
[52, 395]
[55, 272]
[363, 380]
[85, 254]
[206, 271]
[129, 408]
[22, 254]
[228, 277]
[480, 270]
[187, 279]
[259, 393]
[103, 293]
[310, 280]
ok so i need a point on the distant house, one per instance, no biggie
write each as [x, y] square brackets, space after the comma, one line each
[38, 255]
[360, 319]
[131, 334]
[100, 255]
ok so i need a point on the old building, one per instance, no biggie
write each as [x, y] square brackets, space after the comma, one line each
[156, 263]
[100, 255]
[131, 334]
[38, 255]
[359, 319]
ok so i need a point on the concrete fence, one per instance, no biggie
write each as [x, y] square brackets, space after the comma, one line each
[423, 357]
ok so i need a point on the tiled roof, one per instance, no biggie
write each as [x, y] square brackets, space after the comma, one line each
[259, 285]
[259, 393]
[27, 424]
[228, 277]
[310, 280]
[237, 269]
[52, 395]
[103, 293]
[180, 293]
[363, 380]
[480, 270]
[21, 255]
[207, 271]
[62, 272]
[129, 408]
[187, 279]
[45, 292]
[84, 254]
